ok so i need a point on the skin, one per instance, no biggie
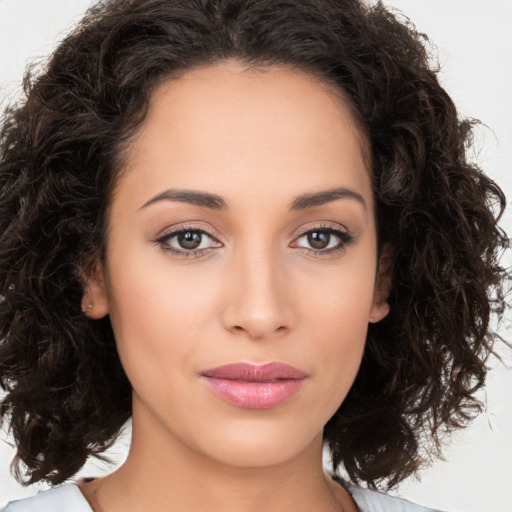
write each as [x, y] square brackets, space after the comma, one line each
[256, 292]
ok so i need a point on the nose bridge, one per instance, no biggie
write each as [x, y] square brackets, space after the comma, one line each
[258, 302]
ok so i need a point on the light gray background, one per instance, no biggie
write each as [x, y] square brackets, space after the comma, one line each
[474, 43]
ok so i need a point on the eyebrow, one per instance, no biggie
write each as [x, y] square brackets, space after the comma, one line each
[215, 202]
[325, 196]
[204, 199]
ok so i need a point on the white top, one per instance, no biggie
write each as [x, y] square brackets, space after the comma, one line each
[68, 498]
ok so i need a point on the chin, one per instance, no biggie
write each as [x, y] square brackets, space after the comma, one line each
[261, 445]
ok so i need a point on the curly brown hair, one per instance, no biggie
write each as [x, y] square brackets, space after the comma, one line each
[61, 153]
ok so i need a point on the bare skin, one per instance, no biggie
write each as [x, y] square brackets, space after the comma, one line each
[247, 490]
[285, 270]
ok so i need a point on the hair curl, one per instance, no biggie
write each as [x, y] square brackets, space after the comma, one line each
[61, 153]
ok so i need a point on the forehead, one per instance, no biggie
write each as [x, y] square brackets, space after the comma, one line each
[227, 127]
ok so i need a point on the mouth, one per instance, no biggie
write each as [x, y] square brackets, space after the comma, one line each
[251, 386]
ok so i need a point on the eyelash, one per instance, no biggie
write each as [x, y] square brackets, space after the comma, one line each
[164, 239]
[345, 239]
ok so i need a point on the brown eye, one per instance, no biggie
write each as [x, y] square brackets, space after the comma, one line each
[189, 240]
[319, 239]
[324, 241]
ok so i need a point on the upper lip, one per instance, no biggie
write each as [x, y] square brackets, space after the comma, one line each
[255, 372]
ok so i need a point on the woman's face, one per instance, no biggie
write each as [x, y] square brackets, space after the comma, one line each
[241, 233]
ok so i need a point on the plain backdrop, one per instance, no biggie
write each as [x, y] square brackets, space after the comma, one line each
[474, 45]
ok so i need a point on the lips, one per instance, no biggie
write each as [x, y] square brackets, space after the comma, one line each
[253, 386]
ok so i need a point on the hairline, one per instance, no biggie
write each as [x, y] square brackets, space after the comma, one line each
[121, 166]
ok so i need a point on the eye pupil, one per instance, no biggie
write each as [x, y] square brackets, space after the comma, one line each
[189, 240]
[319, 239]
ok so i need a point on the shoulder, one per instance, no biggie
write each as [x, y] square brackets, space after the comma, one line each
[67, 498]
[374, 501]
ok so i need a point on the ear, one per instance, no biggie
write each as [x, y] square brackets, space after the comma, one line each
[95, 303]
[380, 305]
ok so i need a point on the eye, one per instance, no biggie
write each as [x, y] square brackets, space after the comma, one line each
[323, 240]
[187, 241]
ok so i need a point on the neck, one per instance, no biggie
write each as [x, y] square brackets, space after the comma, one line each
[162, 473]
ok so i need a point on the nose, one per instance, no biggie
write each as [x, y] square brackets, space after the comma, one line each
[259, 302]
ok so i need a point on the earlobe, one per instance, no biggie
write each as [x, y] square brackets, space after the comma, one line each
[380, 305]
[95, 298]
[379, 311]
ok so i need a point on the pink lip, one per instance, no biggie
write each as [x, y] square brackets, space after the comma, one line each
[253, 386]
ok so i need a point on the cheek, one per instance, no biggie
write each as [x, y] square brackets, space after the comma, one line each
[337, 319]
[342, 341]
[341, 298]
[153, 308]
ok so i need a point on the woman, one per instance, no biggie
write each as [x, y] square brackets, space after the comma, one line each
[251, 227]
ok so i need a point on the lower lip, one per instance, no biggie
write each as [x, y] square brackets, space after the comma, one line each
[254, 395]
